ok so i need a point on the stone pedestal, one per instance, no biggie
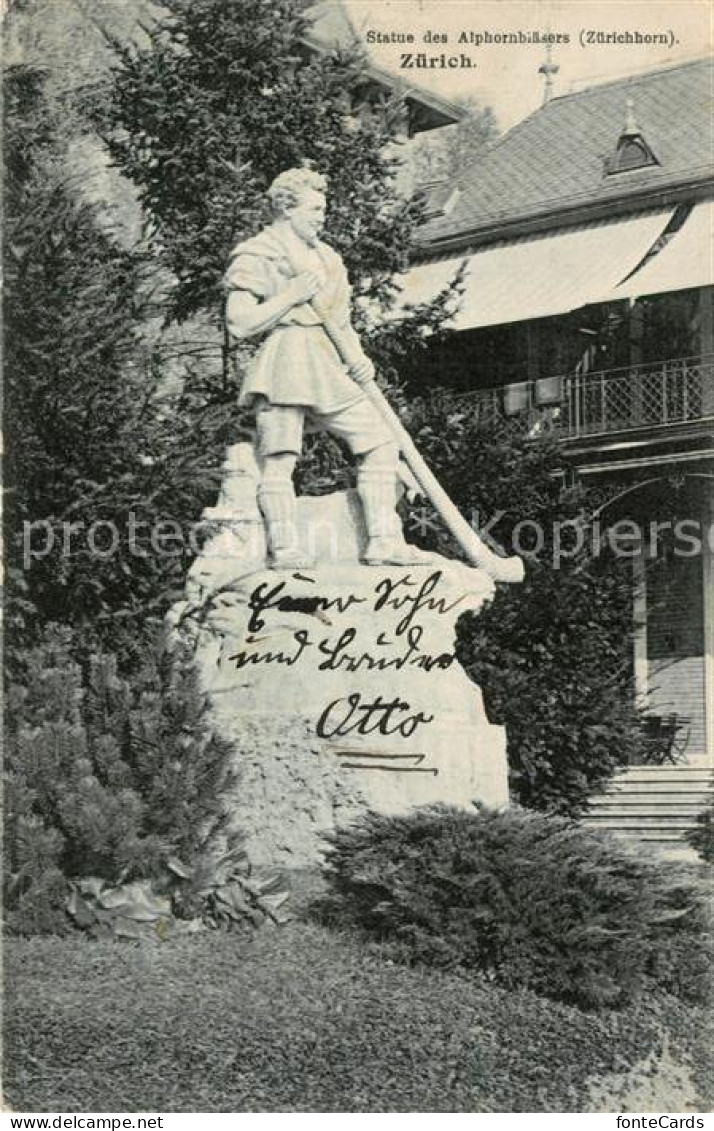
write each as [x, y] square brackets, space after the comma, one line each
[337, 685]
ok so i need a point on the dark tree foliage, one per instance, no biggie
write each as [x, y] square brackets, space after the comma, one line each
[91, 451]
[226, 97]
[701, 837]
[553, 656]
[223, 98]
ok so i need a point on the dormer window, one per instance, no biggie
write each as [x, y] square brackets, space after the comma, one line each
[632, 150]
[632, 153]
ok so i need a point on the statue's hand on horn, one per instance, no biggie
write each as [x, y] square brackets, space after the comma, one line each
[362, 370]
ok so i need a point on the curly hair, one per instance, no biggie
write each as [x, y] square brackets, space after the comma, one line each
[287, 188]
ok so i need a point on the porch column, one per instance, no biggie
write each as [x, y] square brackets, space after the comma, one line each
[636, 317]
[532, 352]
[639, 617]
[708, 570]
[706, 312]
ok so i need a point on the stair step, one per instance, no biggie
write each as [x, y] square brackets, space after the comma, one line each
[642, 785]
[656, 805]
[673, 841]
[698, 773]
[641, 825]
[702, 773]
[669, 836]
[671, 807]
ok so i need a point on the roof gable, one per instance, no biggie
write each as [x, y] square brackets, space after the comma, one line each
[557, 158]
[332, 29]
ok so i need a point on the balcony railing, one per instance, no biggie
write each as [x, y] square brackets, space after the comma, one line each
[639, 396]
[605, 401]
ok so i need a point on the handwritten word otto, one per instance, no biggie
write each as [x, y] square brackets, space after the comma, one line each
[352, 716]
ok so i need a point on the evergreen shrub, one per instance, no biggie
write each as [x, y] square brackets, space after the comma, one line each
[104, 778]
[525, 899]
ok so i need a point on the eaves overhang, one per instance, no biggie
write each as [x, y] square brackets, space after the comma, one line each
[449, 111]
[436, 110]
[698, 186]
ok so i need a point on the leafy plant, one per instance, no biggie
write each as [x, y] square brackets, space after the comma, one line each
[525, 899]
[219, 891]
[132, 911]
[225, 890]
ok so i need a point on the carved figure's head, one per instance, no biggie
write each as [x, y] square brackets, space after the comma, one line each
[298, 196]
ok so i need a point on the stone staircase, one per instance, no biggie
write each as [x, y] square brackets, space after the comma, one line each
[656, 804]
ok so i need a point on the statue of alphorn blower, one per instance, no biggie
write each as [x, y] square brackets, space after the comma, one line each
[287, 284]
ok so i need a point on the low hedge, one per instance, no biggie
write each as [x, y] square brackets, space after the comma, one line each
[525, 899]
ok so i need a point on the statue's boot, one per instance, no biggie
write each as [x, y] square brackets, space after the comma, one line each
[278, 505]
[385, 540]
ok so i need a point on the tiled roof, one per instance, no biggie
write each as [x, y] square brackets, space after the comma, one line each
[553, 160]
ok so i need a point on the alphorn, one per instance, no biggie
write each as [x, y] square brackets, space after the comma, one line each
[498, 567]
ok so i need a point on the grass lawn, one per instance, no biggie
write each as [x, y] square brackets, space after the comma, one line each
[301, 1019]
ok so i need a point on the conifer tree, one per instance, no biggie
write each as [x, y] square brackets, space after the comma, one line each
[103, 778]
[89, 448]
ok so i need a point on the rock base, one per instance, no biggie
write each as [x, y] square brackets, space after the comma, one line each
[337, 685]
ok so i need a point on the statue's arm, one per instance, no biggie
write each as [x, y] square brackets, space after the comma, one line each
[342, 333]
[246, 315]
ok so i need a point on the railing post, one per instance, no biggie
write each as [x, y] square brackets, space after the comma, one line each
[638, 398]
[574, 394]
[664, 394]
[706, 380]
[603, 403]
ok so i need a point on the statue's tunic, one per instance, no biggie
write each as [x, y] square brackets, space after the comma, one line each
[297, 364]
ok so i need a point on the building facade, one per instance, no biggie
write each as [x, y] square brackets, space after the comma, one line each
[587, 313]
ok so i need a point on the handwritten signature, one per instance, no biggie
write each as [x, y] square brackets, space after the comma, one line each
[350, 715]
